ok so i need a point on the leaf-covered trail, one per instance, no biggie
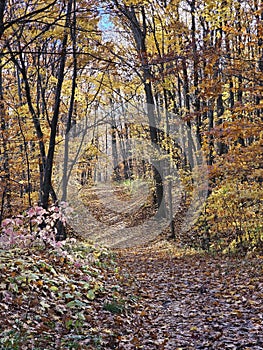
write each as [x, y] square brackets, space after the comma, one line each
[154, 297]
[170, 299]
[109, 217]
[190, 302]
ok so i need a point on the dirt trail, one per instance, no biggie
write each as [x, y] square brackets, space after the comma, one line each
[191, 301]
[178, 300]
[114, 219]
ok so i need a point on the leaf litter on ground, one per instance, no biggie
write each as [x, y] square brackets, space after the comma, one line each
[155, 297]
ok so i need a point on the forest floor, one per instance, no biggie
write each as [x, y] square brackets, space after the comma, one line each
[191, 301]
[177, 298]
[154, 297]
[151, 296]
[119, 217]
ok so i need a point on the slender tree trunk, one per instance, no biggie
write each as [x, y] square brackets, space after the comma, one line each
[139, 31]
[241, 140]
[71, 106]
[190, 144]
[169, 150]
[2, 11]
[197, 103]
[114, 146]
[47, 186]
[6, 195]
[211, 138]
[35, 117]
[157, 170]
[260, 55]
[221, 147]
[25, 143]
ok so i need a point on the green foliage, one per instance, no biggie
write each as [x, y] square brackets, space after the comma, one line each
[114, 306]
[46, 294]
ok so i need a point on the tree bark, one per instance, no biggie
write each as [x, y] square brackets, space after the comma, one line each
[71, 106]
[2, 10]
[139, 31]
[47, 186]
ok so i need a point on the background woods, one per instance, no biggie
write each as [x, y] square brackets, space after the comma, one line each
[62, 62]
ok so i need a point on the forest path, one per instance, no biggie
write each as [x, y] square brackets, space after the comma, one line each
[117, 218]
[173, 298]
[190, 301]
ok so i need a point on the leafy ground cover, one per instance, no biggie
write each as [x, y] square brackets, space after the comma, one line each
[194, 301]
[157, 297]
[48, 297]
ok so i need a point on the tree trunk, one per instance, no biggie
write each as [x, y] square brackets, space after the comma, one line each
[47, 186]
[71, 107]
[139, 31]
[190, 143]
[2, 10]
[197, 103]
[5, 180]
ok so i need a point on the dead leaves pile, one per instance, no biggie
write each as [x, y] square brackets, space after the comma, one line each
[144, 298]
[48, 298]
[193, 302]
